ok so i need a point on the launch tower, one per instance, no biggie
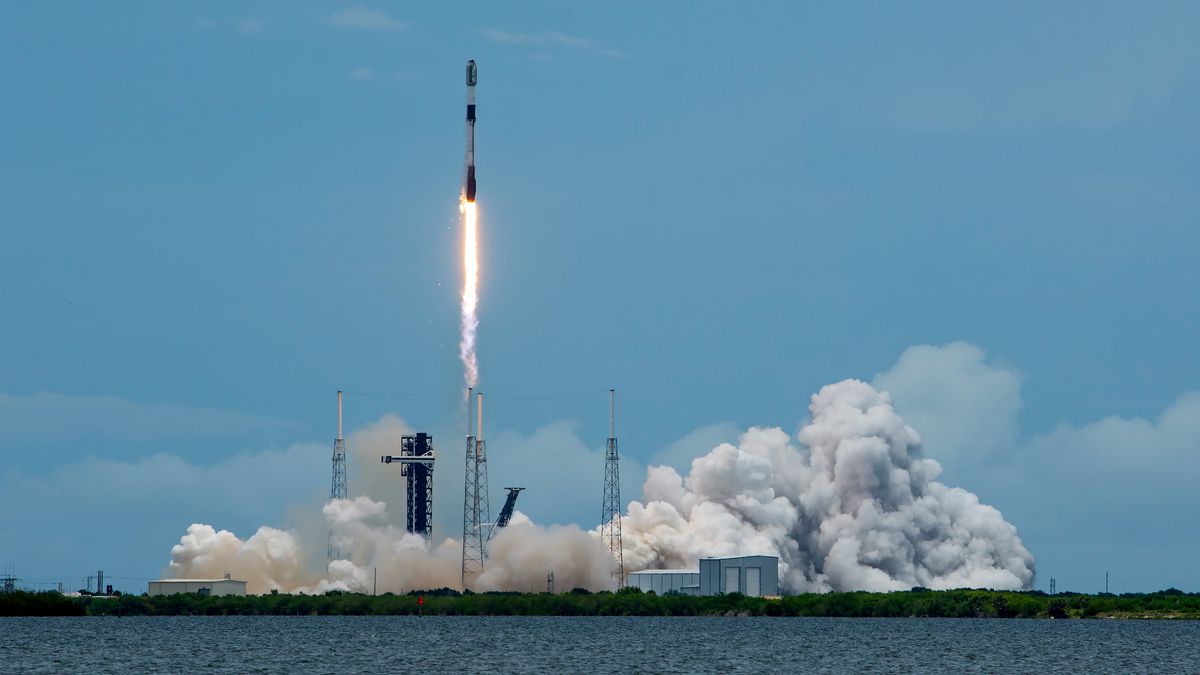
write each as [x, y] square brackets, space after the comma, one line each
[476, 513]
[610, 519]
[337, 486]
[416, 465]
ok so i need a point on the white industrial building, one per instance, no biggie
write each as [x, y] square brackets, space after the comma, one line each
[664, 581]
[753, 575]
[200, 586]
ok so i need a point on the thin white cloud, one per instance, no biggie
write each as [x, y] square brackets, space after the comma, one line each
[550, 39]
[562, 473]
[1111, 494]
[251, 24]
[362, 18]
[509, 38]
[361, 73]
[125, 515]
[937, 388]
[679, 455]
[55, 418]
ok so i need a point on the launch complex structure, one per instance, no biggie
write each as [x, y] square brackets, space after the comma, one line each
[337, 487]
[417, 456]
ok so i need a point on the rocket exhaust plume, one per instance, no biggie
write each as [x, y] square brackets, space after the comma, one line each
[470, 295]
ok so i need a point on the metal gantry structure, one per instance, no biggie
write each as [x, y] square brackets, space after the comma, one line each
[510, 503]
[610, 518]
[476, 512]
[337, 485]
[416, 460]
[419, 484]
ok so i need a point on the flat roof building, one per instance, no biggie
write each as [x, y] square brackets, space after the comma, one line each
[665, 581]
[199, 586]
[753, 575]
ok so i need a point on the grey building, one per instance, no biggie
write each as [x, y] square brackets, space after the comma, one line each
[201, 586]
[665, 581]
[754, 575]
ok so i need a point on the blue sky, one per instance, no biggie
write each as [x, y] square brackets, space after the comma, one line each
[216, 215]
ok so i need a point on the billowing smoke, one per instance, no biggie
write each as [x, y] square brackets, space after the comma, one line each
[520, 556]
[853, 507]
[271, 559]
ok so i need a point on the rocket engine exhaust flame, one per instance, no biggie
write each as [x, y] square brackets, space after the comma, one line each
[470, 294]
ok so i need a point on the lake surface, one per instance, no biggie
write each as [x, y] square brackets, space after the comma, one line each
[273, 644]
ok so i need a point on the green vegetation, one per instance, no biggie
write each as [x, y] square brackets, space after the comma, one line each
[1169, 604]
[48, 603]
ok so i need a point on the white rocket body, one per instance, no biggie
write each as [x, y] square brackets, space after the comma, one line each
[472, 78]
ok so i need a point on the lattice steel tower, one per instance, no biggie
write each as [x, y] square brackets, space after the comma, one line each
[610, 519]
[337, 486]
[476, 513]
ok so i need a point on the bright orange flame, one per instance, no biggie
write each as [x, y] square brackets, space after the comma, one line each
[470, 294]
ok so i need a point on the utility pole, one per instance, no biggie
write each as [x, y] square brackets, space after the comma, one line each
[610, 517]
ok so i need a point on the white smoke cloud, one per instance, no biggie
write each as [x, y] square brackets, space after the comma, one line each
[521, 555]
[855, 506]
[519, 558]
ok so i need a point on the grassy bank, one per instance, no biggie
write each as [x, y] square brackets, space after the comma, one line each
[1170, 604]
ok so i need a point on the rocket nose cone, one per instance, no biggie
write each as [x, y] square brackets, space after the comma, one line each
[472, 73]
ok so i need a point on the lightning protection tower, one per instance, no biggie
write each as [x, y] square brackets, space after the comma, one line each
[476, 513]
[337, 486]
[610, 519]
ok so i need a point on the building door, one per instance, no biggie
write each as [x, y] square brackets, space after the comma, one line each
[754, 581]
[732, 580]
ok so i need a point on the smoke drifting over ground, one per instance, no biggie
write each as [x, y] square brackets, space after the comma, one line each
[519, 556]
[853, 505]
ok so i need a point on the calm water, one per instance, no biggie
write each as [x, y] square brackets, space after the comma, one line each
[592, 645]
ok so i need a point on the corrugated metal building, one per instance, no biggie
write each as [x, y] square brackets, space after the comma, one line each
[666, 581]
[754, 575]
[201, 586]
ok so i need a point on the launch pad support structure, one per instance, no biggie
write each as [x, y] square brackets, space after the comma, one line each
[476, 512]
[610, 518]
[416, 461]
[510, 503]
[337, 487]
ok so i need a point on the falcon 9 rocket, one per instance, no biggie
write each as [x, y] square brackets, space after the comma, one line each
[472, 78]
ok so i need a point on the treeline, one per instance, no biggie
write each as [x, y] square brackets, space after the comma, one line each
[46, 603]
[629, 602]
